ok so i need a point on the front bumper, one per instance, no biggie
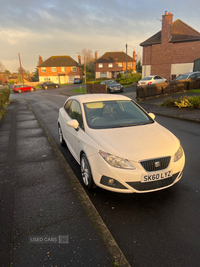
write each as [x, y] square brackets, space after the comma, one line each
[130, 181]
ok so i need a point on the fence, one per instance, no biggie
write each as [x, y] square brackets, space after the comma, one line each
[152, 90]
[96, 88]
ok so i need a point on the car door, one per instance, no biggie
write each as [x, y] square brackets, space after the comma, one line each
[72, 110]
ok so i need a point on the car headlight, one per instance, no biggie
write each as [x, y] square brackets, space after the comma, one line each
[178, 154]
[116, 161]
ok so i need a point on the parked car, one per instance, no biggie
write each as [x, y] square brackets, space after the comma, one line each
[22, 88]
[151, 79]
[118, 145]
[113, 86]
[77, 80]
[189, 75]
[47, 85]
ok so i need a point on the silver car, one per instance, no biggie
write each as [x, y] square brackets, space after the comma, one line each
[151, 79]
[189, 75]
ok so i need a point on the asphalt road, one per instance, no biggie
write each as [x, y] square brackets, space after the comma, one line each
[155, 229]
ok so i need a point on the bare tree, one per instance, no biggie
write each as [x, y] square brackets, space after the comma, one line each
[88, 55]
[2, 68]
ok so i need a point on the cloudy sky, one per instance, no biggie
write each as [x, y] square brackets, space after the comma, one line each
[65, 27]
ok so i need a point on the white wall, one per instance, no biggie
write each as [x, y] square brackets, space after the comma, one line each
[148, 70]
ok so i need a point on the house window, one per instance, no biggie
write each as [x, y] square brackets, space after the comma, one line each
[103, 74]
[100, 65]
[120, 65]
[73, 69]
[63, 69]
[53, 69]
[43, 70]
[130, 64]
[110, 65]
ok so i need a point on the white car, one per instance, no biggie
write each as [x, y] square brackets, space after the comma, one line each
[118, 145]
[151, 79]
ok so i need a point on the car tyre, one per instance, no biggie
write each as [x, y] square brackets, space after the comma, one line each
[46, 87]
[61, 139]
[32, 89]
[19, 91]
[57, 86]
[86, 173]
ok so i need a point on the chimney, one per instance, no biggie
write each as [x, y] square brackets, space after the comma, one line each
[166, 27]
[79, 59]
[40, 60]
[134, 54]
[95, 55]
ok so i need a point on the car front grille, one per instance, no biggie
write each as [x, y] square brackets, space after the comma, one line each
[153, 185]
[155, 164]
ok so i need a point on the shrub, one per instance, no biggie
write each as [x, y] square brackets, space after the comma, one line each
[131, 78]
[168, 102]
[195, 101]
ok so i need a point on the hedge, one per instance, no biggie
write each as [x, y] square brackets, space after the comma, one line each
[4, 97]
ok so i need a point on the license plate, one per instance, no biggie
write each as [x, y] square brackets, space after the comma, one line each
[143, 83]
[156, 176]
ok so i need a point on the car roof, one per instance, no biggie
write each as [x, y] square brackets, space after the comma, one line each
[97, 97]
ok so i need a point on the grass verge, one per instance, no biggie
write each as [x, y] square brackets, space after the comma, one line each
[80, 90]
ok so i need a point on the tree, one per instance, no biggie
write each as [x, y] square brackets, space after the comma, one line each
[88, 55]
[2, 68]
[139, 67]
[19, 71]
[89, 61]
[35, 77]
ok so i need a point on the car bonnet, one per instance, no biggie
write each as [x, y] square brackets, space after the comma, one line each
[136, 142]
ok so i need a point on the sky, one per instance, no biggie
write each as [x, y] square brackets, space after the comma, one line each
[66, 27]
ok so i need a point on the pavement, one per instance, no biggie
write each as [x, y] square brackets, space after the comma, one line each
[46, 217]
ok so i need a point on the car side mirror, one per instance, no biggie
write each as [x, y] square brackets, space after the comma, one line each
[74, 124]
[152, 115]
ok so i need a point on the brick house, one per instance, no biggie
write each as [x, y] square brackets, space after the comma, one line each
[59, 69]
[112, 63]
[172, 50]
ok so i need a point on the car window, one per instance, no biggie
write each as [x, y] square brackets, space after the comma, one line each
[75, 113]
[67, 106]
[198, 74]
[192, 76]
[181, 77]
[146, 79]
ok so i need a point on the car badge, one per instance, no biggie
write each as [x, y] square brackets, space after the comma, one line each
[157, 164]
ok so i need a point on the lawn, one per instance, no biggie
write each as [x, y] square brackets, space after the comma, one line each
[80, 90]
[194, 91]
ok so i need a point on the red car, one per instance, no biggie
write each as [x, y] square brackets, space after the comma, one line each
[23, 88]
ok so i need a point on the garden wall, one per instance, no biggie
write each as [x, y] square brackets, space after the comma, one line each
[152, 90]
[96, 88]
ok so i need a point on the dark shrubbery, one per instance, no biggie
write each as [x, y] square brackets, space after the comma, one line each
[131, 78]
[4, 98]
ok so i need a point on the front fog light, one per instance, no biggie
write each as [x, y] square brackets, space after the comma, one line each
[111, 182]
[178, 154]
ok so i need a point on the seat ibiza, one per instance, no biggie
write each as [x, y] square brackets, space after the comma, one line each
[118, 145]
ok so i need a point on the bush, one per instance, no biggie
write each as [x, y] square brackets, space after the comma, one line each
[168, 102]
[131, 78]
[4, 97]
[183, 102]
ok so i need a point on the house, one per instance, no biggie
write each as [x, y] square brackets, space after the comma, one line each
[59, 69]
[172, 50]
[112, 63]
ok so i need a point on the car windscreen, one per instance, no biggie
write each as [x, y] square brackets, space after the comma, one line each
[110, 82]
[181, 77]
[114, 114]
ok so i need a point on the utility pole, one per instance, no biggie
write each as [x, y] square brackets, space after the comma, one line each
[21, 68]
[126, 60]
[85, 70]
